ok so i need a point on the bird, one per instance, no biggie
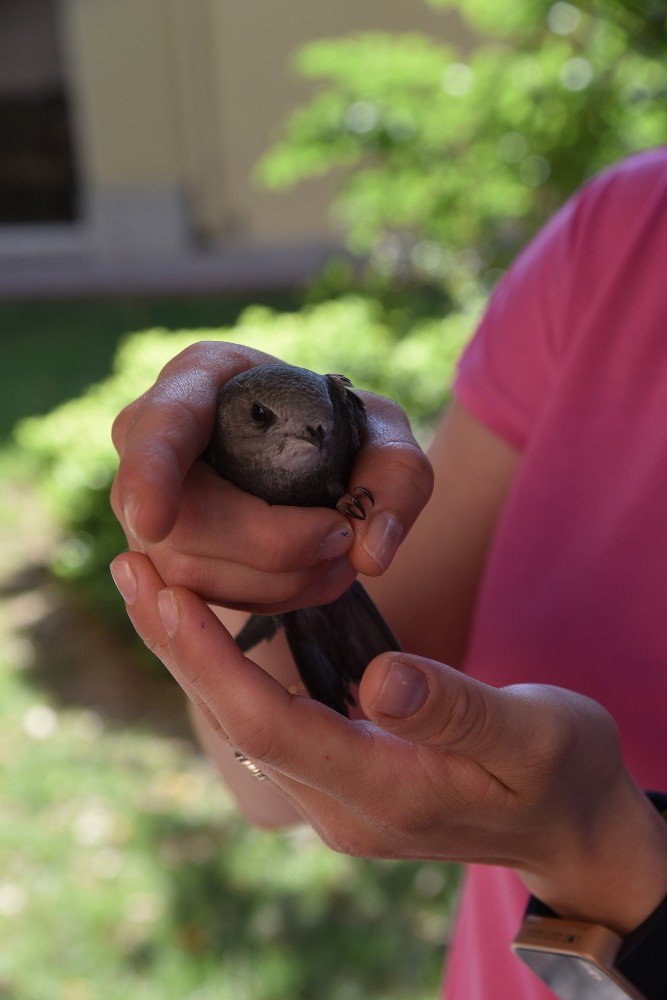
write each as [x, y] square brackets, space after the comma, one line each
[290, 436]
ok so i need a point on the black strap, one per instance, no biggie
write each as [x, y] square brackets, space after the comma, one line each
[643, 955]
[258, 628]
[642, 958]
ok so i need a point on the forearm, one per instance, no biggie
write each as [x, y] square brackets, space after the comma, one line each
[259, 801]
[428, 594]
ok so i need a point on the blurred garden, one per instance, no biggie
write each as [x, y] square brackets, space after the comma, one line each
[124, 870]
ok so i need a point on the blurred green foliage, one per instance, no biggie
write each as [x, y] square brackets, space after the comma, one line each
[126, 874]
[450, 160]
[71, 447]
[50, 350]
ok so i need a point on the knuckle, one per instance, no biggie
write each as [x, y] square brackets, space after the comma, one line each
[553, 751]
[180, 415]
[153, 422]
[192, 387]
[567, 735]
[383, 411]
[121, 424]
[209, 363]
[257, 739]
[161, 428]
[209, 715]
[414, 467]
[274, 554]
[403, 462]
[467, 721]
[424, 478]
[193, 355]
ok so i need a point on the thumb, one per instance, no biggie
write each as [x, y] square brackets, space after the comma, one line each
[429, 703]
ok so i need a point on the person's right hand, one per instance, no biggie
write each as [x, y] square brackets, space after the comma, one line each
[232, 548]
[442, 768]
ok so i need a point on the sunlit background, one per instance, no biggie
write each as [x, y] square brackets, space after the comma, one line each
[341, 185]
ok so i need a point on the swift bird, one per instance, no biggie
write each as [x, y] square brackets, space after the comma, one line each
[290, 436]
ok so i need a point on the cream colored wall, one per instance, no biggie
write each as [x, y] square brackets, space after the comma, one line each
[120, 63]
[258, 87]
[175, 100]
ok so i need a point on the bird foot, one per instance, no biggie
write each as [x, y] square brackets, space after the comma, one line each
[351, 503]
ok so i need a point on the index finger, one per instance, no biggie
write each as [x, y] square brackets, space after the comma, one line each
[292, 734]
[162, 434]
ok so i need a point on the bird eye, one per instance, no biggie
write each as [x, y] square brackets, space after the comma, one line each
[259, 414]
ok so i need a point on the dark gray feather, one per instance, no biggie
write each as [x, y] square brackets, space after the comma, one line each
[332, 644]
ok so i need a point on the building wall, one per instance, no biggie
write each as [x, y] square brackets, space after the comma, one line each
[123, 85]
[175, 100]
[261, 34]
[30, 60]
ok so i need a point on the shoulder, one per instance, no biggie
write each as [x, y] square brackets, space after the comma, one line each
[608, 242]
[607, 209]
[619, 200]
[613, 228]
[631, 177]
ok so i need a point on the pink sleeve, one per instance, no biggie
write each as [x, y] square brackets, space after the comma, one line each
[505, 373]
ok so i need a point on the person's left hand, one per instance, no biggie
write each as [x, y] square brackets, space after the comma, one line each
[444, 767]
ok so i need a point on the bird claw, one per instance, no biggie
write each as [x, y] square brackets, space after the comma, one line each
[350, 503]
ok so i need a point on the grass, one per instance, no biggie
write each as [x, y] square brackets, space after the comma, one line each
[126, 873]
[124, 868]
[50, 351]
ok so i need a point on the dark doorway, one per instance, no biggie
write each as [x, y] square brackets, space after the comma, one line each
[37, 167]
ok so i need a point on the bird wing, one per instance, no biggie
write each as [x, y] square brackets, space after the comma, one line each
[258, 628]
[333, 644]
[350, 409]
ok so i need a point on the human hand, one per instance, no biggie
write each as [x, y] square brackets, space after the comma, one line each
[232, 548]
[444, 768]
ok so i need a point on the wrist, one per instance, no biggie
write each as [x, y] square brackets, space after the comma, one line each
[612, 869]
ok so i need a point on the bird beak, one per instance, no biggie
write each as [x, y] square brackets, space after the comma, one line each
[314, 435]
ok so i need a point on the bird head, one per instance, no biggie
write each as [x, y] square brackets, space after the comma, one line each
[275, 415]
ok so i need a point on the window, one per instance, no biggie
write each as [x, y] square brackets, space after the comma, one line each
[37, 169]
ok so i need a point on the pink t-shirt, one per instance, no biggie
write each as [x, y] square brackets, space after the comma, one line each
[570, 366]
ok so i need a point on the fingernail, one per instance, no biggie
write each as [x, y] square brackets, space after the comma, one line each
[168, 609]
[382, 538]
[337, 543]
[130, 512]
[403, 693]
[125, 579]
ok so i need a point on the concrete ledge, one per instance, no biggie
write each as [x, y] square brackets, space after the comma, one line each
[234, 269]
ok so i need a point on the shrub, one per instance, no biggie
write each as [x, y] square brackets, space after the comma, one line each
[450, 160]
